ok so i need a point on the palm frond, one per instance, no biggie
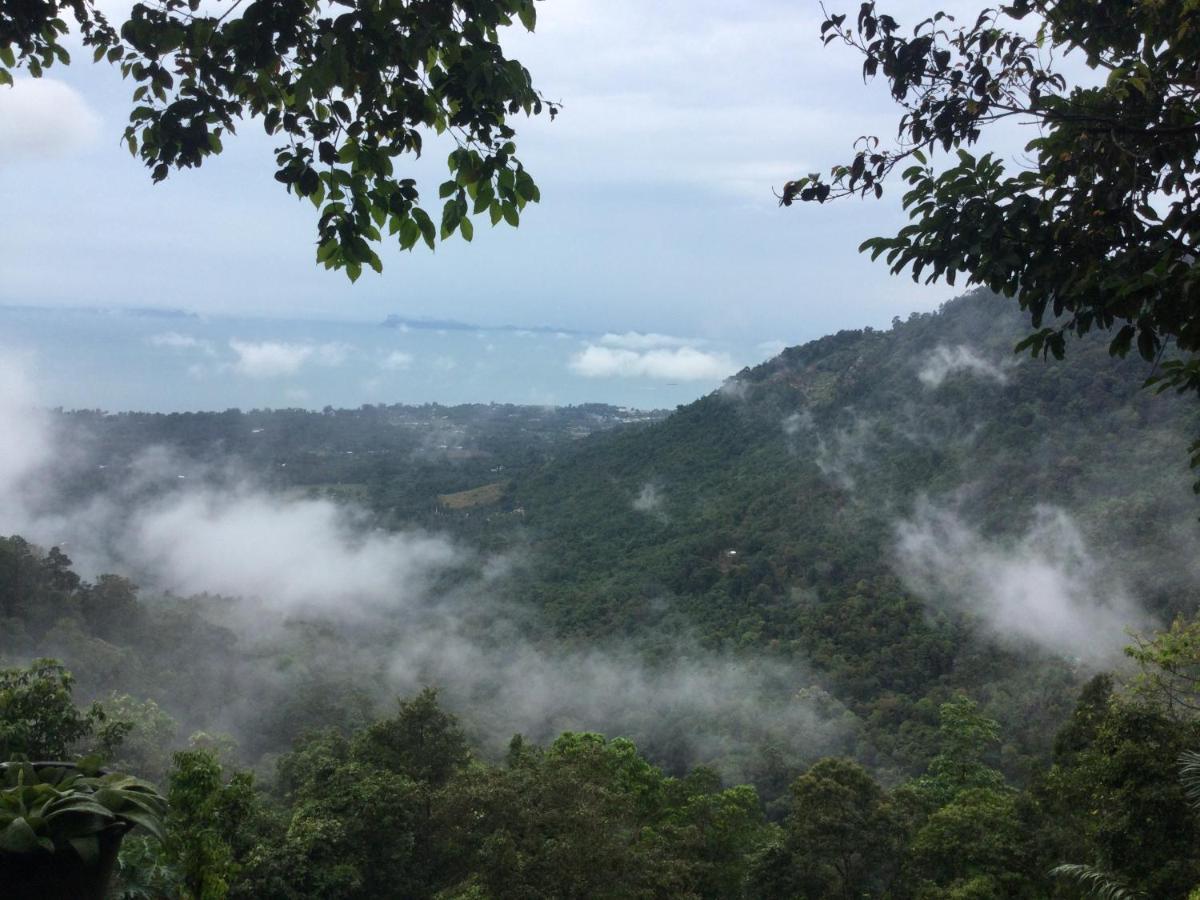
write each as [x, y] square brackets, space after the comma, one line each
[1189, 775]
[1096, 882]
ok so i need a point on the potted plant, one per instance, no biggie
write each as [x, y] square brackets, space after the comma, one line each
[61, 825]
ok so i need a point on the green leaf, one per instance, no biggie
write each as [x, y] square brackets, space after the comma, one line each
[428, 231]
[327, 249]
[69, 805]
[467, 229]
[450, 219]
[18, 837]
[527, 14]
[151, 823]
[410, 233]
[525, 187]
[1121, 343]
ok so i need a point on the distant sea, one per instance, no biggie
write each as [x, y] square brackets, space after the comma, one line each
[163, 360]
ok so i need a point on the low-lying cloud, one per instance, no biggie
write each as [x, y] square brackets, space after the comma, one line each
[25, 440]
[273, 359]
[298, 556]
[637, 340]
[695, 708]
[1042, 587]
[173, 340]
[840, 451]
[678, 364]
[398, 610]
[650, 500]
[396, 361]
[945, 361]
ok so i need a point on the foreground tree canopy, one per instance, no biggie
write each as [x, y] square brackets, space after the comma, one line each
[1102, 228]
[348, 87]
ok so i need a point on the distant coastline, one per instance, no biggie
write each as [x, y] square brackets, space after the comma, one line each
[423, 324]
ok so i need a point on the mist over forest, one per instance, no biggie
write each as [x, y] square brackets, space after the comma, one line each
[806, 563]
[697, 567]
[637, 577]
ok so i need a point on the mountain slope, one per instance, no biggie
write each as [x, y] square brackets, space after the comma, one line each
[816, 508]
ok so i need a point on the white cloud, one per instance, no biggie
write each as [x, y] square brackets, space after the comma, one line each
[1043, 587]
[841, 451]
[271, 359]
[173, 340]
[649, 500]
[25, 439]
[734, 388]
[333, 354]
[396, 360]
[945, 361]
[636, 340]
[680, 364]
[246, 542]
[43, 118]
[797, 422]
[273, 556]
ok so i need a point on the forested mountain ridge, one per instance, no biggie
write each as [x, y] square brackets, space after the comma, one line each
[858, 425]
[393, 458]
[886, 517]
[773, 516]
[883, 578]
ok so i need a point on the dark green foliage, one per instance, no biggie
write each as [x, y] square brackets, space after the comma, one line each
[1100, 230]
[842, 839]
[348, 95]
[948, 783]
[1116, 793]
[421, 742]
[64, 809]
[1094, 882]
[812, 593]
[31, 33]
[804, 465]
[39, 719]
[590, 817]
[584, 817]
[965, 737]
[208, 825]
[400, 808]
[975, 845]
[354, 830]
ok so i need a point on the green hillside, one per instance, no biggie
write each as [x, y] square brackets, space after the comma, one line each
[776, 501]
[873, 594]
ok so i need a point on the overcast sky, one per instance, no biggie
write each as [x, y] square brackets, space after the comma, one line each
[679, 117]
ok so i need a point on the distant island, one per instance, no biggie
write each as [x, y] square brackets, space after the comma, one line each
[395, 321]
